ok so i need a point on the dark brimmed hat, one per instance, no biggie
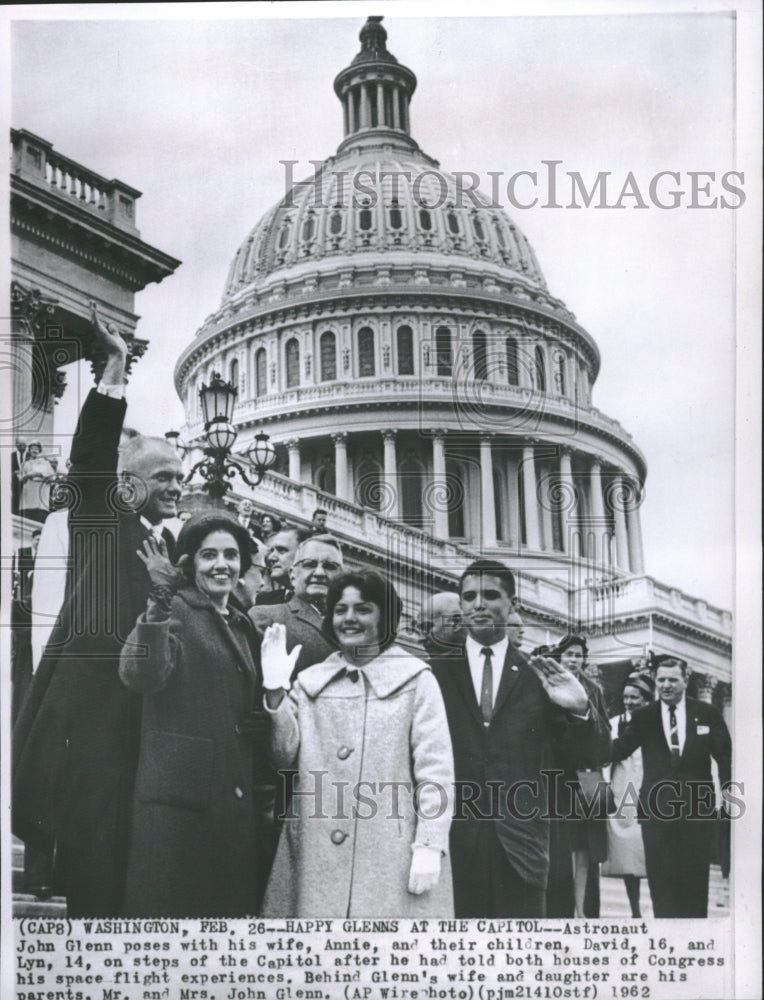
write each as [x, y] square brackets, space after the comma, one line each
[201, 524]
[642, 682]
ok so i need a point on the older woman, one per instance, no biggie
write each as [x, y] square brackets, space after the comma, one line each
[367, 831]
[626, 852]
[194, 849]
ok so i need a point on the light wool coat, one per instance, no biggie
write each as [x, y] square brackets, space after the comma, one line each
[375, 775]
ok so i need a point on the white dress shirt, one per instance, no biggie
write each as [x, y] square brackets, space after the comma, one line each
[476, 661]
[681, 722]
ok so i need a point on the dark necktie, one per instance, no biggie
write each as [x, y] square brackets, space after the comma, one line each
[486, 687]
[674, 736]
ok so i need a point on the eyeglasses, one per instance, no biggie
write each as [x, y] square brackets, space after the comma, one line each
[312, 564]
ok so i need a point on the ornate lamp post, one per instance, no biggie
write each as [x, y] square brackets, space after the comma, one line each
[218, 467]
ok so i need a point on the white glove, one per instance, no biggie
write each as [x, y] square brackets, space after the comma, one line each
[425, 869]
[277, 664]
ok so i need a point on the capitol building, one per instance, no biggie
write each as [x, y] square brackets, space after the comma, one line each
[392, 331]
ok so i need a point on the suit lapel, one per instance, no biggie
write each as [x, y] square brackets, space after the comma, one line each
[304, 613]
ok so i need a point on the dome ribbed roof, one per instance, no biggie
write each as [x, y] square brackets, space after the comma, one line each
[392, 203]
[380, 199]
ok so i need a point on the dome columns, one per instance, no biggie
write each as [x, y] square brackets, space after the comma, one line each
[391, 471]
[439, 483]
[487, 504]
[341, 466]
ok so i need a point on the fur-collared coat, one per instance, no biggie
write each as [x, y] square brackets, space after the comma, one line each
[193, 846]
[375, 775]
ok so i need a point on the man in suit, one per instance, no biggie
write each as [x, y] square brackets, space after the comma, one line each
[678, 737]
[76, 738]
[22, 664]
[278, 561]
[506, 717]
[317, 562]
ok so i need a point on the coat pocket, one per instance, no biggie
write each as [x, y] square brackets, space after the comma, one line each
[175, 770]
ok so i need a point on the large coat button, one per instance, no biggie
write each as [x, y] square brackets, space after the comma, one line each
[338, 837]
[238, 792]
[344, 752]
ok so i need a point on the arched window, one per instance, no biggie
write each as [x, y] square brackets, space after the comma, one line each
[261, 373]
[540, 367]
[453, 222]
[500, 234]
[335, 222]
[411, 480]
[325, 476]
[513, 369]
[444, 361]
[308, 229]
[292, 363]
[365, 219]
[396, 219]
[425, 219]
[328, 351]
[284, 234]
[405, 339]
[233, 373]
[477, 225]
[369, 483]
[479, 355]
[365, 352]
[560, 380]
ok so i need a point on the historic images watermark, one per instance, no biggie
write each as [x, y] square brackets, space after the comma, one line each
[527, 800]
[550, 185]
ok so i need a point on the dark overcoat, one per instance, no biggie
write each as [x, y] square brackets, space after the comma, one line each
[193, 847]
[76, 739]
[303, 627]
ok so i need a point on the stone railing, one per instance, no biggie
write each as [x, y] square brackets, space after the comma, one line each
[35, 160]
[634, 595]
[466, 398]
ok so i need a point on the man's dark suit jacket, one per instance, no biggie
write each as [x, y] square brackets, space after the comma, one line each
[706, 736]
[527, 732]
[303, 625]
[677, 803]
[76, 739]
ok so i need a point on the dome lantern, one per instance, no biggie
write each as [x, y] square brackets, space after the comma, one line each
[375, 91]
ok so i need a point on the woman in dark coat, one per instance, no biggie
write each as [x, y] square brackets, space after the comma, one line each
[193, 849]
[586, 837]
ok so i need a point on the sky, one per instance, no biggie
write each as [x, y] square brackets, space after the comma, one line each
[198, 113]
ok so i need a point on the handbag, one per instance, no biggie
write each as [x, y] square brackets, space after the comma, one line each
[596, 792]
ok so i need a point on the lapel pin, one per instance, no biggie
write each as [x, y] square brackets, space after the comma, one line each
[514, 666]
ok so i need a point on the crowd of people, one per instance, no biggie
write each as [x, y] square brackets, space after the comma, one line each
[228, 723]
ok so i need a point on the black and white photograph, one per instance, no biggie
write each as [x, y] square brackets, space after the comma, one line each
[380, 507]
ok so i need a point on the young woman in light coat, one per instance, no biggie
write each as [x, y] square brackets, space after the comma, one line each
[366, 832]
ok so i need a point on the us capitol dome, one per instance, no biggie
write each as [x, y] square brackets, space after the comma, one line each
[392, 331]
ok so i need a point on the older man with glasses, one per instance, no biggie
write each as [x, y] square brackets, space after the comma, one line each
[317, 562]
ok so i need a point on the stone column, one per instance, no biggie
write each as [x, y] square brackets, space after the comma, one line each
[514, 506]
[532, 530]
[440, 484]
[634, 531]
[293, 448]
[396, 107]
[571, 531]
[341, 484]
[598, 526]
[365, 110]
[380, 104]
[391, 473]
[487, 505]
[619, 499]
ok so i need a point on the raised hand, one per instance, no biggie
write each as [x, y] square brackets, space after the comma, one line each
[161, 571]
[563, 688]
[276, 663]
[106, 335]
